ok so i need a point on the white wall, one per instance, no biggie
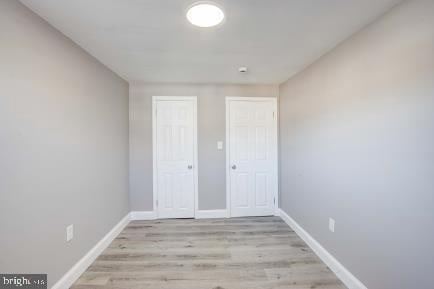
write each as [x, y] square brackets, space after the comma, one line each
[63, 146]
[357, 145]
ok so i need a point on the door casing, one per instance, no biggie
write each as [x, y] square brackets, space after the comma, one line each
[155, 100]
[275, 154]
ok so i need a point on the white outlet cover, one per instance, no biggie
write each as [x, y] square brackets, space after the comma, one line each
[69, 233]
[219, 145]
[331, 225]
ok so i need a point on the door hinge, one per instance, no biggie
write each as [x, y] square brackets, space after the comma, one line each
[274, 114]
[274, 200]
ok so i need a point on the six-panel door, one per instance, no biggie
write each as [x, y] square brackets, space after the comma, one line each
[252, 157]
[175, 152]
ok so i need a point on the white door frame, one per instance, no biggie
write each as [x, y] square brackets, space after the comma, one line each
[275, 156]
[156, 99]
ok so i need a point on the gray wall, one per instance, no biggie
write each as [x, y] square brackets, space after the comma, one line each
[211, 128]
[63, 146]
[357, 145]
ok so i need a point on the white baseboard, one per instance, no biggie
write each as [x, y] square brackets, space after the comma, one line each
[75, 272]
[143, 215]
[210, 214]
[200, 214]
[80, 267]
[341, 272]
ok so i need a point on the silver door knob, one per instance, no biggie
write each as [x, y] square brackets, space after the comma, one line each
[234, 167]
[190, 167]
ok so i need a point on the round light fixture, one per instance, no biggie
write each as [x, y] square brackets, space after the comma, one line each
[205, 14]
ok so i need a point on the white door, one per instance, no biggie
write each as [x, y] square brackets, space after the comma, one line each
[175, 166]
[252, 156]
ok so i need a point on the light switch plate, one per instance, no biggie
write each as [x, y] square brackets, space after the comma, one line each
[219, 145]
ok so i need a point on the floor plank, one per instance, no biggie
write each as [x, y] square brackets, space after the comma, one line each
[237, 253]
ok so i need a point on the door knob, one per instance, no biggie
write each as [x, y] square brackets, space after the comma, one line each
[234, 167]
[190, 167]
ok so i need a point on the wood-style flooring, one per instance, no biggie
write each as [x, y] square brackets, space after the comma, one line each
[238, 253]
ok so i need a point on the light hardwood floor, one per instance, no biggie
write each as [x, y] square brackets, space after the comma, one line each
[239, 253]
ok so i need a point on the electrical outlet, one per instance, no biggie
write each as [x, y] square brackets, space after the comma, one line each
[69, 233]
[331, 225]
[219, 145]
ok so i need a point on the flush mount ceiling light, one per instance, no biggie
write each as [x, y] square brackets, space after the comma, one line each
[205, 14]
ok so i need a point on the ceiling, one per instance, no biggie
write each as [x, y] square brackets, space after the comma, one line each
[151, 40]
